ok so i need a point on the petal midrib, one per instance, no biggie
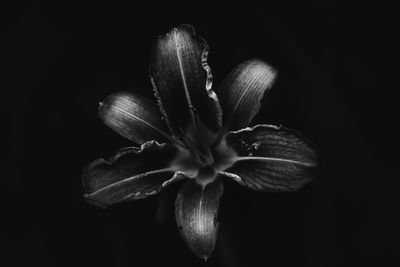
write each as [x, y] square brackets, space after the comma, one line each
[178, 55]
[129, 179]
[192, 109]
[307, 164]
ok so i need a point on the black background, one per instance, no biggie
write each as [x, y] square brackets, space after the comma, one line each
[62, 59]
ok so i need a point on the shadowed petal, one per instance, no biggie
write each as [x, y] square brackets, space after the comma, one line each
[134, 117]
[196, 211]
[182, 81]
[241, 92]
[132, 173]
[271, 158]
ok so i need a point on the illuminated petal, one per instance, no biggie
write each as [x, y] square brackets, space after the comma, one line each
[196, 211]
[182, 81]
[132, 173]
[241, 92]
[271, 158]
[134, 117]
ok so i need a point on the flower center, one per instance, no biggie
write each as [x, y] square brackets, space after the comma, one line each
[205, 175]
[198, 140]
[189, 163]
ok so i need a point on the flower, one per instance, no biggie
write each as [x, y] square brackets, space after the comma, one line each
[201, 138]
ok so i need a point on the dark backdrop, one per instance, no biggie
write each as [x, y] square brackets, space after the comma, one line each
[62, 59]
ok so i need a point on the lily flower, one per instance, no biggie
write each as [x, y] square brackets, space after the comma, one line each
[198, 136]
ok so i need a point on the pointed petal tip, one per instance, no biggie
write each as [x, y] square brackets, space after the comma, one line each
[261, 62]
[181, 28]
[196, 210]
[266, 69]
[184, 27]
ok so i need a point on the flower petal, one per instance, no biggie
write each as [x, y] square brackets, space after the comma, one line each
[132, 173]
[182, 81]
[196, 211]
[271, 158]
[134, 117]
[241, 92]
